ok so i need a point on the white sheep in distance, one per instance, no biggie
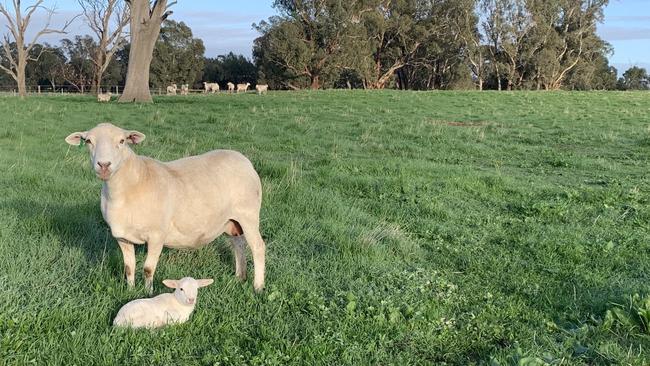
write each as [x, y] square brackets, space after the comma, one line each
[185, 89]
[104, 98]
[214, 87]
[231, 87]
[243, 87]
[186, 203]
[169, 308]
[261, 88]
[171, 90]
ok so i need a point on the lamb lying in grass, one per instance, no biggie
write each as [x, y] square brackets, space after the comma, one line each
[169, 308]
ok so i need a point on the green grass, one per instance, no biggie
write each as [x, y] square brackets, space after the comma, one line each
[402, 228]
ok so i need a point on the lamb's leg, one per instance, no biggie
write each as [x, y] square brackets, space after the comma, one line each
[240, 257]
[258, 248]
[154, 248]
[128, 255]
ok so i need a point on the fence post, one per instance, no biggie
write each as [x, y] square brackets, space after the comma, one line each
[39, 89]
[117, 89]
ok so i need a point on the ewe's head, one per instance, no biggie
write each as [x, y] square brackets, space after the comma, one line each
[107, 145]
[187, 288]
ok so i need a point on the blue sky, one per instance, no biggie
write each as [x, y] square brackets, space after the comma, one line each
[225, 25]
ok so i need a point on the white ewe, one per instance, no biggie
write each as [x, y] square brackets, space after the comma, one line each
[185, 203]
[169, 308]
[231, 87]
[243, 87]
[261, 88]
[214, 87]
[171, 90]
[185, 89]
[104, 98]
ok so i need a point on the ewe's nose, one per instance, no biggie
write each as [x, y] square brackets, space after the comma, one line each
[104, 165]
[191, 301]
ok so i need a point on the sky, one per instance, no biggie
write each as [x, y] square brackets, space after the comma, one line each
[226, 25]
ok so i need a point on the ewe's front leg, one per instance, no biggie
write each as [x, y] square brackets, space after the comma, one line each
[154, 248]
[128, 254]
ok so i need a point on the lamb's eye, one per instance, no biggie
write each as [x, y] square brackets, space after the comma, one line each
[122, 141]
[182, 290]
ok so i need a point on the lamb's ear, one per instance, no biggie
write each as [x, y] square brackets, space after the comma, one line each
[74, 138]
[205, 282]
[134, 137]
[170, 283]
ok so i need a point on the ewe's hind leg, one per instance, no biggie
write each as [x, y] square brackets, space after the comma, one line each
[258, 248]
[238, 243]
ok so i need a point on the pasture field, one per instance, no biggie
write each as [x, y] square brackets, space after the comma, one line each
[406, 228]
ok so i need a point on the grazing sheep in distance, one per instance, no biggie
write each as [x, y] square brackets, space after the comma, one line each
[231, 87]
[104, 98]
[171, 90]
[243, 87]
[262, 88]
[214, 87]
[185, 89]
[169, 308]
[186, 203]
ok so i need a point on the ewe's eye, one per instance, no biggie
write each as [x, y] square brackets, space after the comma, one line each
[182, 289]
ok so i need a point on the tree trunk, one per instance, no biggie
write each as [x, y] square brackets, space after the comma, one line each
[315, 82]
[145, 28]
[480, 84]
[97, 83]
[20, 74]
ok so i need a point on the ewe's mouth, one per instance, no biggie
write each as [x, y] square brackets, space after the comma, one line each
[103, 175]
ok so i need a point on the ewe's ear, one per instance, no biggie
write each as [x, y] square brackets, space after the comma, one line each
[75, 138]
[134, 137]
[205, 282]
[170, 283]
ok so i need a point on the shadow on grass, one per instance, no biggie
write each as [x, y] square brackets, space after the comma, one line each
[80, 224]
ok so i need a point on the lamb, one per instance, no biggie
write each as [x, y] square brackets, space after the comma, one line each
[231, 87]
[186, 203]
[214, 87]
[185, 89]
[171, 90]
[243, 87]
[169, 308]
[104, 98]
[262, 88]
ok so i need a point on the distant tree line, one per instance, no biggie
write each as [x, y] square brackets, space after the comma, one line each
[178, 58]
[372, 44]
[438, 44]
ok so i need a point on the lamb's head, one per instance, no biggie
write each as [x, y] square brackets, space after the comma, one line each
[108, 147]
[187, 288]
